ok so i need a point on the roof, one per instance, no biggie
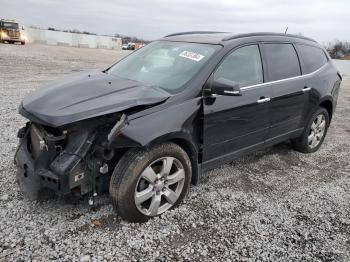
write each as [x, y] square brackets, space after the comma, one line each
[8, 20]
[212, 37]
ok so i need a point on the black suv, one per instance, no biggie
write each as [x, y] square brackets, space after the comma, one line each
[148, 126]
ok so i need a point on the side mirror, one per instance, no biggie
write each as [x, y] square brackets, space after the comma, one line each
[225, 87]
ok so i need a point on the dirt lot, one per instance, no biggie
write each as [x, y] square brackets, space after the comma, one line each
[275, 205]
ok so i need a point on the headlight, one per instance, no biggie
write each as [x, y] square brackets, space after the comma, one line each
[3, 35]
[23, 37]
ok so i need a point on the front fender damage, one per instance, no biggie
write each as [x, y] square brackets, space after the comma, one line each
[180, 123]
[85, 157]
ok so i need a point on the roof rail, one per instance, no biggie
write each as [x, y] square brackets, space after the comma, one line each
[265, 34]
[194, 32]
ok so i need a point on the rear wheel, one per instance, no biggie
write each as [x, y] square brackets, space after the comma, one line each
[146, 183]
[314, 133]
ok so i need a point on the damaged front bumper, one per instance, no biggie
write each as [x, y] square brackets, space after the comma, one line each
[46, 166]
[32, 180]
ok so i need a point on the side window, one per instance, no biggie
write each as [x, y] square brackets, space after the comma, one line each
[242, 66]
[282, 61]
[313, 58]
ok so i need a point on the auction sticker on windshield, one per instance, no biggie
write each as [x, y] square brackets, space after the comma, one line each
[191, 55]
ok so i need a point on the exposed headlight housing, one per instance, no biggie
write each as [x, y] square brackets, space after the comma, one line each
[3, 35]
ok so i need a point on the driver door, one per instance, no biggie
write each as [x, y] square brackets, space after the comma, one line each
[234, 125]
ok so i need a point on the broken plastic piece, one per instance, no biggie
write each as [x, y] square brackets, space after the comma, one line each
[116, 128]
[104, 169]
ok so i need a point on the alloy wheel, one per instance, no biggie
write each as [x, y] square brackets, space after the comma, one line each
[159, 186]
[317, 131]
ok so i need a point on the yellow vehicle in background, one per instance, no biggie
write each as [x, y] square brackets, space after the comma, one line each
[10, 32]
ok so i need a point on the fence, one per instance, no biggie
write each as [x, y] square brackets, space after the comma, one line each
[71, 39]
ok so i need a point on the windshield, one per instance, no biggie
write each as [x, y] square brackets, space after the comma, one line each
[10, 25]
[168, 65]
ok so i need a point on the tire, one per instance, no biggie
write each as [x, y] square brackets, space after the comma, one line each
[138, 173]
[23, 43]
[303, 144]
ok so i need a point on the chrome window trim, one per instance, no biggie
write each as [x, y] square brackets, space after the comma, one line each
[285, 79]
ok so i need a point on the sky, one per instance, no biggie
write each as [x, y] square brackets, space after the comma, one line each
[151, 19]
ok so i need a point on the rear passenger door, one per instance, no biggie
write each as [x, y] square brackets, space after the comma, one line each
[312, 60]
[288, 97]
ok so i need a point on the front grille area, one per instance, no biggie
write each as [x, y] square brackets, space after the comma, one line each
[13, 34]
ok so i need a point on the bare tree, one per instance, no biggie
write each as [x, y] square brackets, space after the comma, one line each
[338, 49]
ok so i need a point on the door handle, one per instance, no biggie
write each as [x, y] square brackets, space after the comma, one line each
[263, 100]
[305, 89]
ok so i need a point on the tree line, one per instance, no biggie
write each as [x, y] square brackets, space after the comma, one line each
[125, 39]
[338, 49]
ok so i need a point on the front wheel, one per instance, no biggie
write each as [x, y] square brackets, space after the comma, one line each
[314, 132]
[147, 183]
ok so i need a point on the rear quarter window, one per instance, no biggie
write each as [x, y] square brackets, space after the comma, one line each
[312, 58]
[282, 61]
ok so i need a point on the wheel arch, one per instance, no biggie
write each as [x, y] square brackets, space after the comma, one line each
[327, 103]
[186, 142]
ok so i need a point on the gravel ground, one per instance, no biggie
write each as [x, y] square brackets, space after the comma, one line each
[274, 205]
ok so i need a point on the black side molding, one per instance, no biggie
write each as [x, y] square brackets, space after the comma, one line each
[340, 76]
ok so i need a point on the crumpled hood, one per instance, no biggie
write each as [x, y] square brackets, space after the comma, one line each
[86, 95]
